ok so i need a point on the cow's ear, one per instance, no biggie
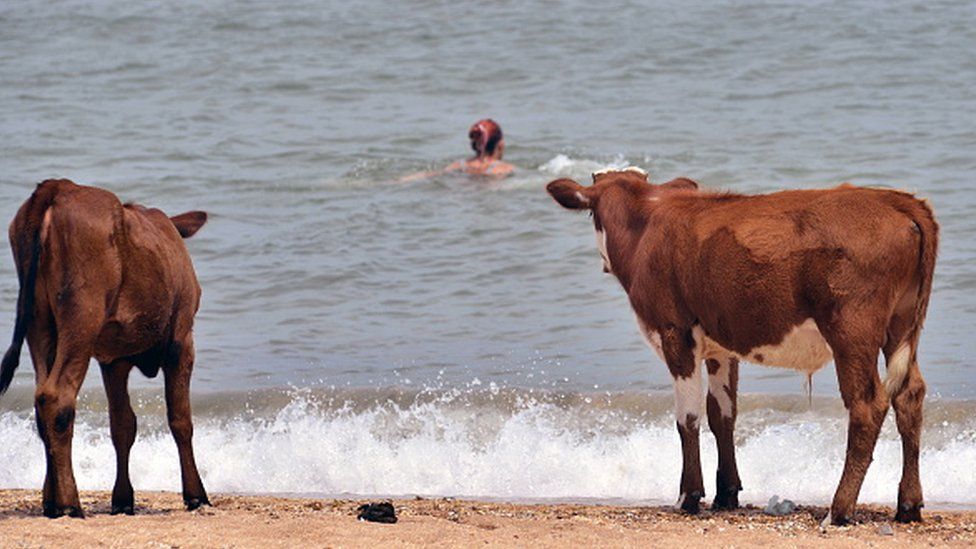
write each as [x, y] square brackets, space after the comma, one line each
[189, 223]
[570, 194]
[681, 183]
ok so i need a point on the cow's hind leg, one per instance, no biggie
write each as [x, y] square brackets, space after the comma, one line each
[177, 372]
[685, 368]
[123, 428]
[866, 403]
[42, 341]
[55, 401]
[907, 402]
[723, 380]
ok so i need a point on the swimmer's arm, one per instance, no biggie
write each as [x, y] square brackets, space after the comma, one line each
[502, 169]
[426, 175]
[417, 176]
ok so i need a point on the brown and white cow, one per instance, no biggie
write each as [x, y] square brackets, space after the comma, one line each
[113, 282]
[792, 279]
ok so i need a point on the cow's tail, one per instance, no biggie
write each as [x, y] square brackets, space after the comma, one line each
[26, 243]
[906, 354]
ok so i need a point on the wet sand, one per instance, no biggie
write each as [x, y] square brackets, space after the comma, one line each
[260, 521]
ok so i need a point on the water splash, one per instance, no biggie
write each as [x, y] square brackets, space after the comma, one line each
[498, 444]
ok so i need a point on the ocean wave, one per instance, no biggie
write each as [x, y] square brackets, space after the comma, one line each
[562, 165]
[497, 444]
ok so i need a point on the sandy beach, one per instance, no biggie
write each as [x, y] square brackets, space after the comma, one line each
[259, 521]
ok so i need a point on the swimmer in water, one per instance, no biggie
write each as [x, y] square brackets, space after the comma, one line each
[488, 145]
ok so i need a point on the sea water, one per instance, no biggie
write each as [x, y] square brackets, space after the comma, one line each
[457, 337]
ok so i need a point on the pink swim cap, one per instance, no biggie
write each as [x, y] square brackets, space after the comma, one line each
[485, 136]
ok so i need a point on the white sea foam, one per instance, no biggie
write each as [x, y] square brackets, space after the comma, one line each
[580, 168]
[538, 450]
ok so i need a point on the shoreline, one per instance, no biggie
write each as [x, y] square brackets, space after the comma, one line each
[930, 507]
[262, 521]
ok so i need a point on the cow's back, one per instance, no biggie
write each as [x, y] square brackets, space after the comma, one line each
[770, 262]
[124, 268]
[156, 254]
[78, 242]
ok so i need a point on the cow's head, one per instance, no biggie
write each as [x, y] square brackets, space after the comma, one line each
[615, 195]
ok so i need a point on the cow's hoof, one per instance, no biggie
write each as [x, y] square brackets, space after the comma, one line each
[726, 501]
[123, 510]
[834, 518]
[123, 505]
[911, 513]
[691, 503]
[193, 504]
[53, 511]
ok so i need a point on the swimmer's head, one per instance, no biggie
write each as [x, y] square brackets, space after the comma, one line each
[486, 137]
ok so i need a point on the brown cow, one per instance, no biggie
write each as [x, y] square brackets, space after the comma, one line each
[99, 279]
[791, 279]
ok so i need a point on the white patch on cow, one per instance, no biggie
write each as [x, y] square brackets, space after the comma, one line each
[582, 198]
[701, 344]
[803, 348]
[601, 245]
[652, 338]
[688, 395]
[681, 500]
[897, 369]
[718, 386]
[688, 398]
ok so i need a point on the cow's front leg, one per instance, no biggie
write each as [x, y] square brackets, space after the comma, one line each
[177, 380]
[679, 351]
[723, 380]
[123, 429]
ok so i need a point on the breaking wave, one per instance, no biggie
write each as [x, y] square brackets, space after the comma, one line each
[493, 443]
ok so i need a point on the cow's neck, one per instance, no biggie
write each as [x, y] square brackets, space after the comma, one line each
[618, 243]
